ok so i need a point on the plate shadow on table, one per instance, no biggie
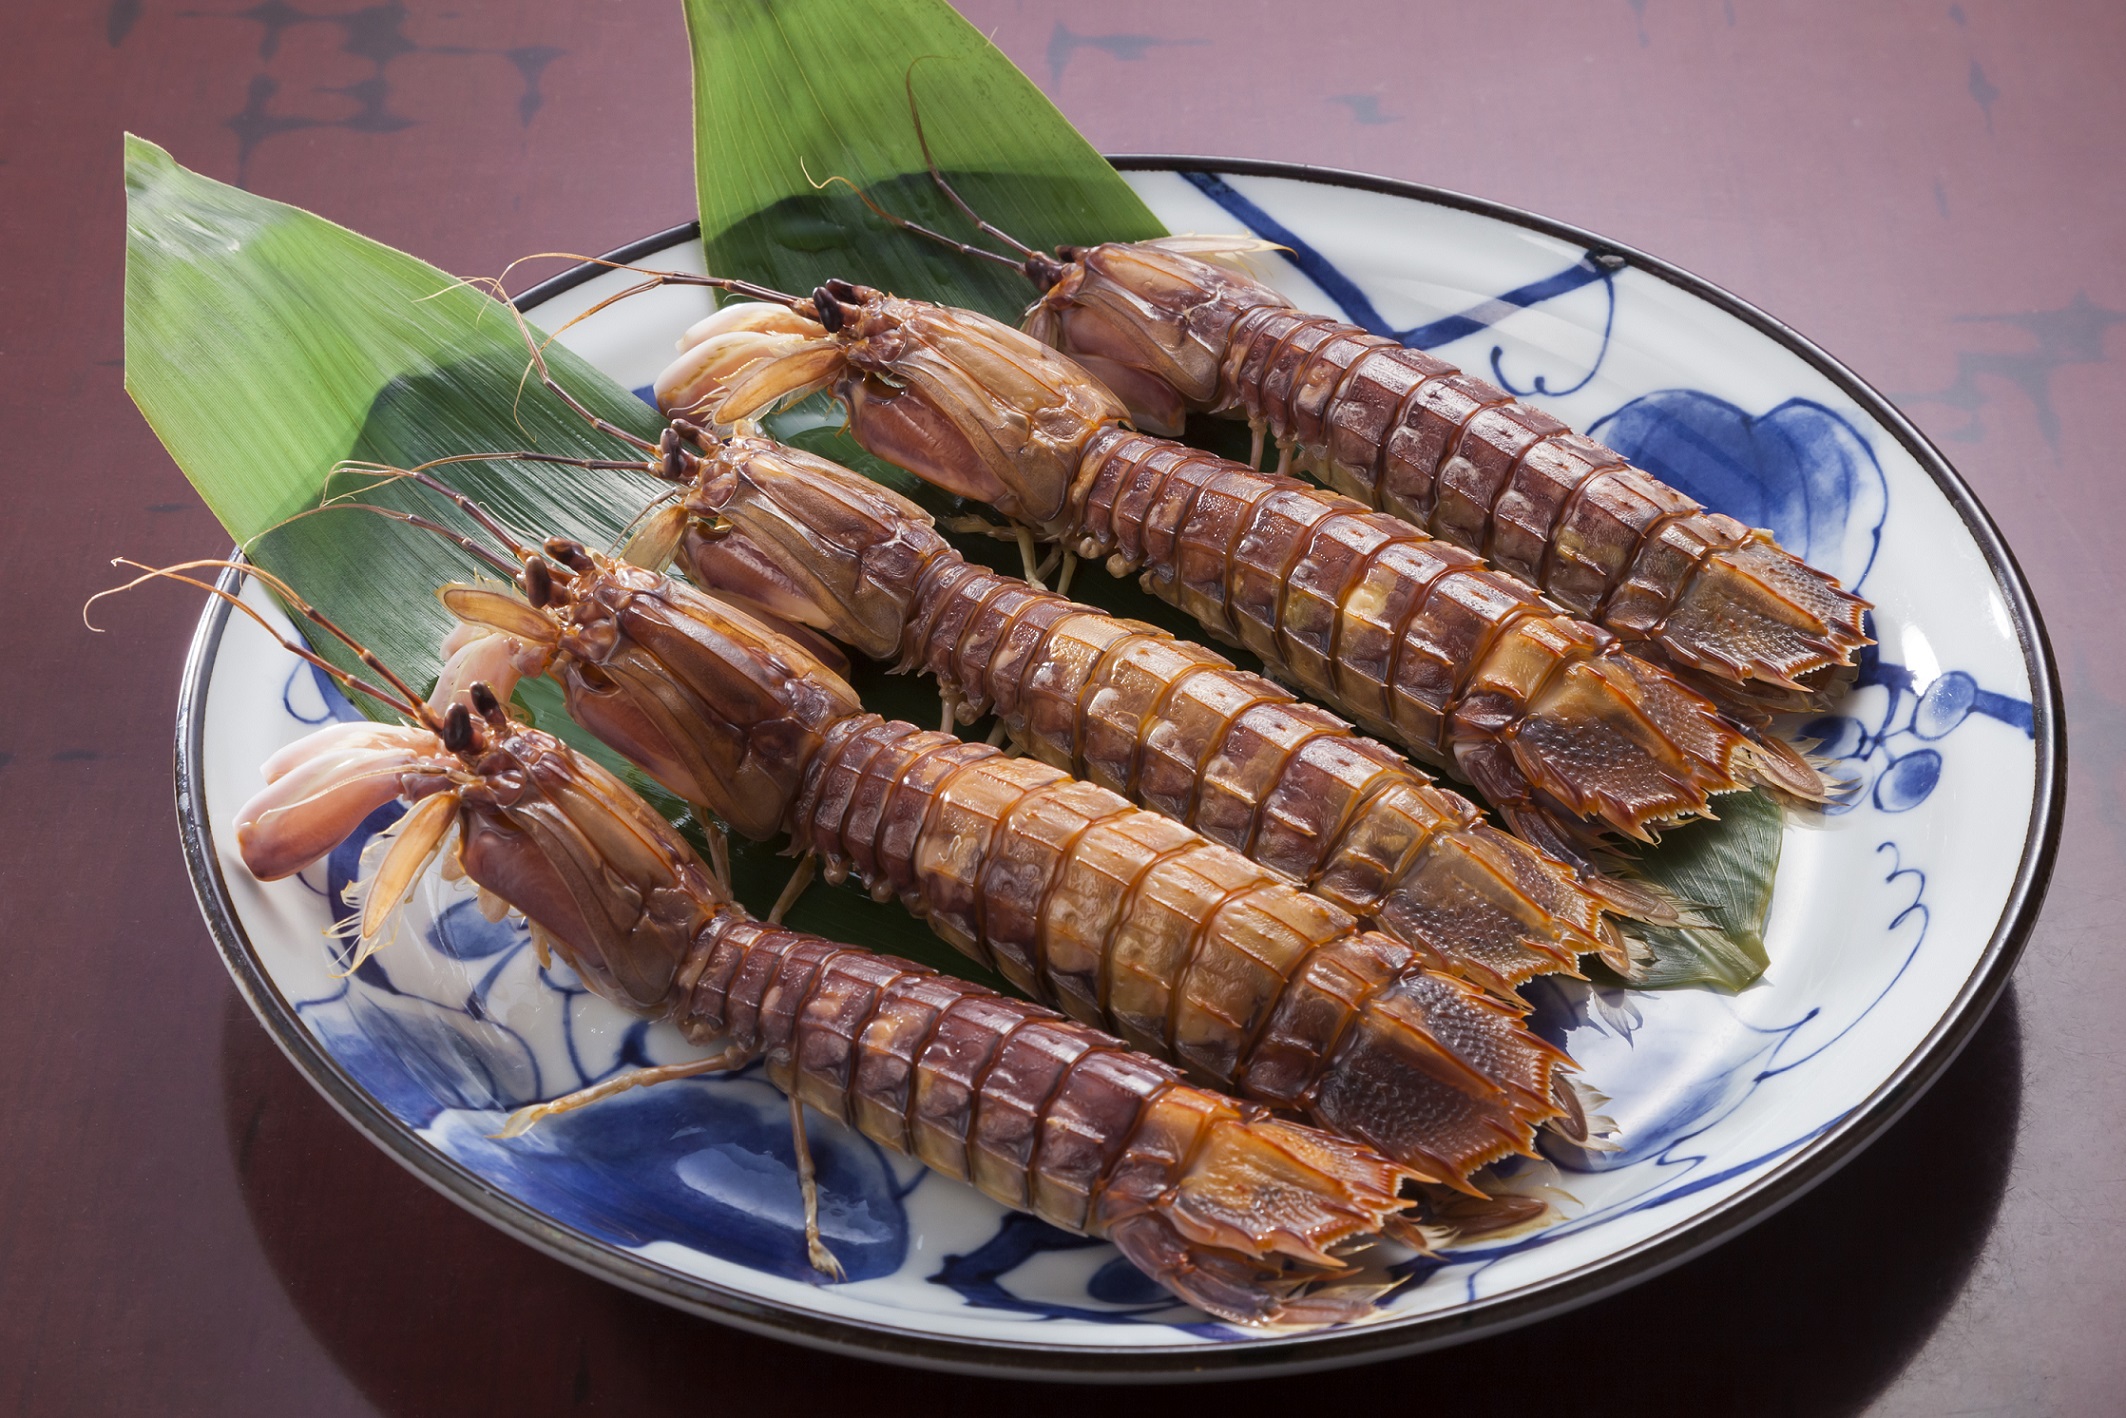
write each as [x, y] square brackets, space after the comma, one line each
[429, 1310]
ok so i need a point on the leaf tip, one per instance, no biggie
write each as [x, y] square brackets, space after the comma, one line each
[142, 155]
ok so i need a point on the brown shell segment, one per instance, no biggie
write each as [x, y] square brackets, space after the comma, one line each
[1236, 1212]
[1176, 728]
[1408, 433]
[1130, 921]
[1415, 638]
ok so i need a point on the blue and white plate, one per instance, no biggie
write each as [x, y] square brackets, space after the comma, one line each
[1894, 926]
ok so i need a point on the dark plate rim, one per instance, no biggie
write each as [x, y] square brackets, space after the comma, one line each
[1782, 1184]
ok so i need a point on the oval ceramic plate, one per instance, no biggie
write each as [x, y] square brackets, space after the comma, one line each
[1894, 924]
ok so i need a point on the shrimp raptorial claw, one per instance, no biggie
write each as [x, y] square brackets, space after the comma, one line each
[321, 787]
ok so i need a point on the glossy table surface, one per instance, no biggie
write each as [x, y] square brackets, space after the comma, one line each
[1931, 192]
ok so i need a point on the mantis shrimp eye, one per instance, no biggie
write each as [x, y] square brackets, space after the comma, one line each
[570, 554]
[538, 583]
[838, 302]
[458, 734]
[1045, 271]
[828, 310]
[483, 700]
[676, 461]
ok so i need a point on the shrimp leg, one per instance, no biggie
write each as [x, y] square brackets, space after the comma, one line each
[816, 1250]
[523, 1120]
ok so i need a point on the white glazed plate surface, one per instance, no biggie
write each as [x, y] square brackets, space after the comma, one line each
[1893, 925]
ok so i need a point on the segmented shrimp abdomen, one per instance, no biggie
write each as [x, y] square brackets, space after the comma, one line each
[1176, 728]
[1408, 433]
[1416, 639]
[943, 1070]
[1130, 921]
[1088, 1123]
[1231, 1211]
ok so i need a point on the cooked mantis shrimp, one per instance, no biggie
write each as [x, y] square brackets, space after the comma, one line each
[1179, 325]
[807, 543]
[1252, 1218]
[1167, 724]
[1417, 640]
[1120, 917]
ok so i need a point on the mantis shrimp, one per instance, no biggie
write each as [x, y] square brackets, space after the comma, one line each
[1167, 724]
[1552, 719]
[1120, 917]
[803, 542]
[1178, 325]
[1250, 1217]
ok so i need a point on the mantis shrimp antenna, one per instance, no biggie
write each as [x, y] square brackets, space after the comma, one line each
[923, 141]
[322, 786]
[1037, 266]
[400, 697]
[896, 219]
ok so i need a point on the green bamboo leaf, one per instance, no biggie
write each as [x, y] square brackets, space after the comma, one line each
[792, 92]
[265, 344]
[1723, 872]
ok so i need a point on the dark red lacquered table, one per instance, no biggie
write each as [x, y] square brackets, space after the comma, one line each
[1930, 192]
